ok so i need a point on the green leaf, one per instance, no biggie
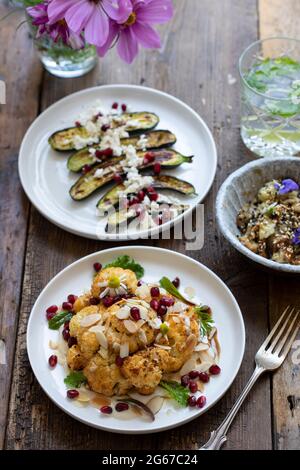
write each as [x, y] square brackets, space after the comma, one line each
[176, 391]
[126, 262]
[59, 319]
[75, 379]
[206, 320]
[171, 289]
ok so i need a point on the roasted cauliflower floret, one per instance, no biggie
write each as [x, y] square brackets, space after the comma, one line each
[118, 332]
[81, 302]
[182, 337]
[87, 340]
[114, 281]
[75, 359]
[144, 369]
[104, 376]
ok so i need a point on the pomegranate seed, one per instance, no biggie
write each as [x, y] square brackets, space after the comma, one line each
[86, 169]
[52, 309]
[140, 283]
[150, 189]
[167, 301]
[104, 153]
[141, 195]
[108, 301]
[94, 301]
[192, 401]
[72, 341]
[162, 310]
[72, 394]
[124, 108]
[157, 168]
[185, 380]
[119, 361]
[49, 316]
[153, 196]
[154, 304]
[193, 386]
[97, 267]
[134, 200]
[135, 313]
[155, 292]
[97, 116]
[122, 407]
[201, 402]
[77, 124]
[67, 306]
[214, 370]
[52, 361]
[105, 127]
[107, 410]
[203, 377]
[67, 324]
[117, 298]
[72, 298]
[194, 374]
[150, 157]
[66, 334]
[158, 220]
[176, 282]
[115, 105]
[118, 178]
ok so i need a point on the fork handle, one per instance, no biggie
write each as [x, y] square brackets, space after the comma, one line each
[218, 437]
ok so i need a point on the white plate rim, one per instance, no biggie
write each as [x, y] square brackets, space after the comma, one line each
[109, 251]
[118, 237]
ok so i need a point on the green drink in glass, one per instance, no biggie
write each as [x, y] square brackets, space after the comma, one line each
[270, 75]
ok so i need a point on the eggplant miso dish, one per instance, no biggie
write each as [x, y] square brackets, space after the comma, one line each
[124, 157]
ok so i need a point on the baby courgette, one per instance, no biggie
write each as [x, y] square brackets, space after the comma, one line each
[111, 198]
[89, 183]
[63, 140]
[155, 140]
[121, 218]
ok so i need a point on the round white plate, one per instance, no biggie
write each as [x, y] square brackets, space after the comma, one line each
[157, 262]
[46, 180]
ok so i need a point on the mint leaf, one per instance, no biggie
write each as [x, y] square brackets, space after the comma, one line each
[206, 320]
[126, 262]
[75, 379]
[59, 319]
[171, 289]
[176, 391]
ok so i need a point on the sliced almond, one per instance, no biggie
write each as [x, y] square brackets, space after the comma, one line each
[83, 397]
[124, 350]
[130, 326]
[143, 337]
[201, 347]
[53, 344]
[103, 353]
[140, 323]
[155, 404]
[123, 313]
[191, 364]
[101, 338]
[90, 320]
[162, 346]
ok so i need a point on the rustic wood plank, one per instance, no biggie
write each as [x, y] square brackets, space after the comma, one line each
[22, 74]
[281, 18]
[200, 49]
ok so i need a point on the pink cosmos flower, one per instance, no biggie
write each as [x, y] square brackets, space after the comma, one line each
[137, 29]
[90, 16]
[57, 30]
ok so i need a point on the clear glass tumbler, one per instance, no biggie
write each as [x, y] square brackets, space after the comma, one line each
[270, 81]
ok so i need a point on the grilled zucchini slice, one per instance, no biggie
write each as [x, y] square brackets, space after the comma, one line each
[88, 183]
[111, 198]
[63, 140]
[155, 140]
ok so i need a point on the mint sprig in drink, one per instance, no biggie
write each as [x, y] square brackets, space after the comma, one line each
[270, 72]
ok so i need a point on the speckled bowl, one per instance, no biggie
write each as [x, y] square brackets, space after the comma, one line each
[242, 186]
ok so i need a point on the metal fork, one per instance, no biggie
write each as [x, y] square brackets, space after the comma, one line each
[270, 356]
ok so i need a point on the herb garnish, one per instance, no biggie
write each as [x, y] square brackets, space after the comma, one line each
[126, 262]
[171, 289]
[205, 319]
[176, 391]
[59, 319]
[75, 379]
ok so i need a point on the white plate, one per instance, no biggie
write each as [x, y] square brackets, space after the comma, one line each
[157, 262]
[46, 180]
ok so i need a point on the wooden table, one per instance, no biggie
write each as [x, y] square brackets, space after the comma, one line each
[201, 46]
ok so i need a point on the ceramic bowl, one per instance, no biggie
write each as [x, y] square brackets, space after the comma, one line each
[241, 187]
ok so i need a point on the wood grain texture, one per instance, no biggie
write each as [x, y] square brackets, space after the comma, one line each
[22, 74]
[281, 18]
[201, 47]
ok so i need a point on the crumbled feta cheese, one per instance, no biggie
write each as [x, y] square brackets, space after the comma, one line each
[99, 173]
